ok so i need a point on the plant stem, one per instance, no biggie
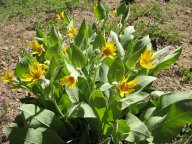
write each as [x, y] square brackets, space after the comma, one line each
[58, 110]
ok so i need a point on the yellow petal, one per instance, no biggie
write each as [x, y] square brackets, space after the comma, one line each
[27, 77]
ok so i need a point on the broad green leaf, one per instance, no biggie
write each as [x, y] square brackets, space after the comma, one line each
[66, 19]
[143, 43]
[100, 11]
[114, 109]
[165, 129]
[56, 71]
[35, 117]
[54, 50]
[53, 37]
[105, 86]
[81, 110]
[167, 61]
[122, 130]
[53, 64]
[139, 131]
[81, 34]
[21, 68]
[119, 47]
[103, 71]
[127, 35]
[123, 12]
[99, 41]
[160, 52]
[84, 89]
[116, 71]
[72, 70]
[137, 107]
[138, 49]
[29, 58]
[133, 98]
[167, 99]
[73, 94]
[98, 103]
[42, 35]
[147, 113]
[78, 58]
[64, 103]
[18, 135]
[143, 81]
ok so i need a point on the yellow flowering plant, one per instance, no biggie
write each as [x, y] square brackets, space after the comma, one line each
[93, 86]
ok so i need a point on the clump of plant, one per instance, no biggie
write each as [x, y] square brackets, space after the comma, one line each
[95, 87]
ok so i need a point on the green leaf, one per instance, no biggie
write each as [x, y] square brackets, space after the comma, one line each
[53, 37]
[81, 34]
[72, 70]
[133, 98]
[167, 99]
[21, 68]
[139, 131]
[144, 81]
[119, 47]
[98, 103]
[99, 41]
[167, 61]
[166, 128]
[54, 50]
[122, 131]
[123, 12]
[35, 117]
[66, 19]
[42, 35]
[137, 107]
[73, 94]
[127, 35]
[84, 89]
[81, 110]
[116, 71]
[64, 103]
[53, 64]
[78, 58]
[103, 71]
[147, 113]
[105, 86]
[160, 52]
[100, 11]
[18, 135]
[138, 49]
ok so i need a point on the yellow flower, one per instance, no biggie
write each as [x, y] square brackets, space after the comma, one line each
[126, 87]
[7, 76]
[109, 49]
[38, 48]
[147, 58]
[68, 81]
[60, 15]
[36, 72]
[71, 32]
[64, 49]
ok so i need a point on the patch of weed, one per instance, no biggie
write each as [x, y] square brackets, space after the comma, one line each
[29, 8]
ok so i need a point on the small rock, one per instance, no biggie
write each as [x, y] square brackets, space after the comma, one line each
[187, 12]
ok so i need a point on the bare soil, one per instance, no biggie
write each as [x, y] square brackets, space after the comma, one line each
[19, 32]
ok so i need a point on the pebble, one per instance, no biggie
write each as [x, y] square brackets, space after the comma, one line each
[187, 11]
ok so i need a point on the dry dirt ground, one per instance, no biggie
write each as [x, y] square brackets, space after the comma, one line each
[20, 31]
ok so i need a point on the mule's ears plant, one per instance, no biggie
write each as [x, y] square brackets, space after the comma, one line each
[93, 86]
